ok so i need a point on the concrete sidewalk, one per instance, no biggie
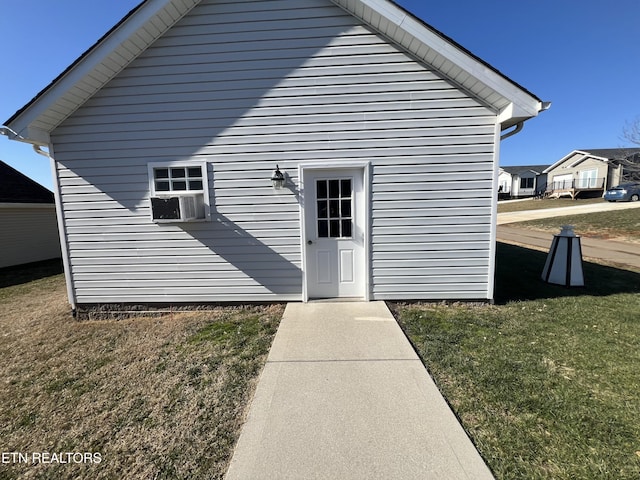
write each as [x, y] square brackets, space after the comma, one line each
[344, 396]
[620, 253]
[514, 217]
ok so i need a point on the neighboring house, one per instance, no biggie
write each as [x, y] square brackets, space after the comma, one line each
[587, 172]
[522, 181]
[28, 229]
[166, 135]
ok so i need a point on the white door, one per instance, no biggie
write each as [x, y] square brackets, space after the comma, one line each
[334, 233]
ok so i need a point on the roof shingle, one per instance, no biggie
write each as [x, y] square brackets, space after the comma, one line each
[16, 187]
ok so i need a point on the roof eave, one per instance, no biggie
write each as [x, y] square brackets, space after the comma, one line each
[151, 18]
[512, 102]
[94, 68]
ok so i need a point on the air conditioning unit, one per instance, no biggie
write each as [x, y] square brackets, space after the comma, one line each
[182, 208]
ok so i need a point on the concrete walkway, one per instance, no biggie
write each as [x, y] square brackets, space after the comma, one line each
[620, 253]
[344, 396]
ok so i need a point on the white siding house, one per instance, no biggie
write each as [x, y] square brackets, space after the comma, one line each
[386, 131]
[522, 181]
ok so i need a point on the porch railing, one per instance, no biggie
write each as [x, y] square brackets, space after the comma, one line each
[579, 184]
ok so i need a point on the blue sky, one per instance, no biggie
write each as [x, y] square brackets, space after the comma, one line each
[583, 56]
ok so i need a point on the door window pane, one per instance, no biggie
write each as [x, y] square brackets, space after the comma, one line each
[323, 228]
[322, 209]
[345, 209]
[333, 208]
[345, 187]
[321, 186]
[334, 228]
[334, 189]
[346, 228]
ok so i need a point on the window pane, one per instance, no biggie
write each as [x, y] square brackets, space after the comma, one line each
[346, 228]
[322, 209]
[323, 228]
[345, 188]
[334, 208]
[346, 208]
[334, 188]
[161, 172]
[334, 228]
[178, 172]
[194, 172]
[162, 186]
[179, 185]
[321, 187]
[195, 184]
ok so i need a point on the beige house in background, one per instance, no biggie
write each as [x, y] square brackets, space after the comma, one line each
[585, 172]
[28, 227]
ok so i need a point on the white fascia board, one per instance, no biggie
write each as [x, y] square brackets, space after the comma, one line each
[567, 157]
[92, 60]
[522, 105]
[32, 136]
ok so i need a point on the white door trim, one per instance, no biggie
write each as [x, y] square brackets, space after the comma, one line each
[314, 166]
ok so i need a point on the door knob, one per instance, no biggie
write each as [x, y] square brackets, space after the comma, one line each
[309, 242]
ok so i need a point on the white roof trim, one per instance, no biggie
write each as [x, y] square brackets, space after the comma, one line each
[97, 66]
[152, 18]
[511, 101]
[584, 156]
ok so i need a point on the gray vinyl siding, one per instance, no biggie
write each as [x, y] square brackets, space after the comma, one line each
[246, 85]
[28, 233]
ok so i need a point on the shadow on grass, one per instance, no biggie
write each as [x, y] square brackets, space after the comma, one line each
[20, 274]
[518, 272]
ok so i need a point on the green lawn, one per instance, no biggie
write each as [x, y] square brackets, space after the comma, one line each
[545, 382]
[160, 398]
[615, 223]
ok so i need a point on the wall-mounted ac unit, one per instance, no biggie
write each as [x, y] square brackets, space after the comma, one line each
[182, 208]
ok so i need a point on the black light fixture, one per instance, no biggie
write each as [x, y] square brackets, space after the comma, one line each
[278, 179]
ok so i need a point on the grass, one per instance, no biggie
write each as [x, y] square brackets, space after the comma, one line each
[157, 398]
[624, 224]
[545, 204]
[546, 382]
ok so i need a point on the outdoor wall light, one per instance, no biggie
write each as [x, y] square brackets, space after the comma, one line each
[278, 179]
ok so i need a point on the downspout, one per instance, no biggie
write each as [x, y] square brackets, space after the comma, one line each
[519, 127]
[542, 106]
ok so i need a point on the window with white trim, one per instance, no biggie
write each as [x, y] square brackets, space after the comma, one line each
[179, 192]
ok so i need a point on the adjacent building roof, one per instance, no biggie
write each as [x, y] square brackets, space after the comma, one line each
[16, 187]
[519, 169]
[611, 153]
[152, 18]
[601, 154]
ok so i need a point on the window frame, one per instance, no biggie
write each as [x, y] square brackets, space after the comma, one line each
[525, 181]
[153, 166]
